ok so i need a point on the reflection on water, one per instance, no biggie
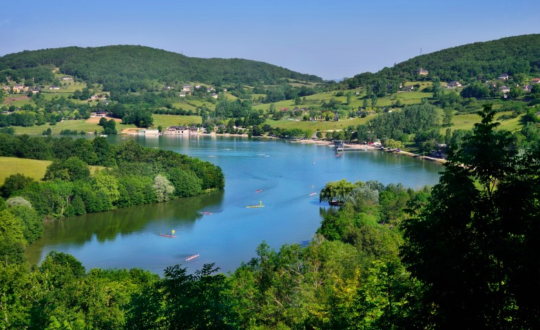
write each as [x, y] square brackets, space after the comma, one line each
[287, 173]
[179, 214]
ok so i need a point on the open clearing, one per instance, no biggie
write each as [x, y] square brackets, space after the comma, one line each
[33, 168]
[90, 125]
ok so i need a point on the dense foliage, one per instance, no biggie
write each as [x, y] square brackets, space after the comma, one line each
[461, 255]
[480, 60]
[134, 68]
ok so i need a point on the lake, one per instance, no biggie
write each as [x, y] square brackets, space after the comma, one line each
[286, 172]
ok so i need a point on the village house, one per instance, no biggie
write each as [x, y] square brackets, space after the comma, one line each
[535, 81]
[167, 88]
[422, 72]
[453, 84]
[66, 78]
[186, 88]
[503, 76]
[19, 89]
[224, 89]
[505, 89]
[214, 95]
[177, 130]
[54, 88]
[36, 90]
[197, 86]
[210, 89]
[527, 88]
[7, 88]
[408, 88]
[182, 94]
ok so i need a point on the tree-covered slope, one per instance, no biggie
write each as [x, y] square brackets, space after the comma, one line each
[480, 60]
[136, 67]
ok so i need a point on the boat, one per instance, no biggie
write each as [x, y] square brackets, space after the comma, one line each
[258, 191]
[335, 203]
[255, 206]
[171, 235]
[206, 213]
[312, 194]
[192, 257]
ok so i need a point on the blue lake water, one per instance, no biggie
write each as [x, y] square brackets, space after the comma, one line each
[286, 172]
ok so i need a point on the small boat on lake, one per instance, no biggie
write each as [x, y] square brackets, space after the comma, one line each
[258, 191]
[167, 235]
[192, 257]
[312, 194]
[171, 235]
[255, 206]
[206, 213]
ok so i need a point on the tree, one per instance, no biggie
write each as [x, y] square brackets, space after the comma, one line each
[15, 182]
[448, 116]
[12, 242]
[72, 169]
[475, 246]
[163, 187]
[336, 191]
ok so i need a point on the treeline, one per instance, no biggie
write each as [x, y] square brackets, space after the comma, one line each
[134, 68]
[467, 63]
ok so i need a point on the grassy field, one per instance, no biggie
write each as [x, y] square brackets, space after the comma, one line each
[318, 125]
[87, 126]
[316, 100]
[30, 167]
[467, 122]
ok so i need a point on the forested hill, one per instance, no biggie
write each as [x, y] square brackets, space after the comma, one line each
[136, 67]
[480, 60]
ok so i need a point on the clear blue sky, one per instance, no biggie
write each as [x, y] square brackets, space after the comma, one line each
[332, 39]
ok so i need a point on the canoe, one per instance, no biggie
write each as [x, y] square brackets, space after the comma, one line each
[192, 257]
[166, 235]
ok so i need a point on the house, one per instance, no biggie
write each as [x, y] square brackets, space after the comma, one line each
[408, 88]
[224, 89]
[66, 78]
[36, 90]
[94, 97]
[503, 76]
[54, 88]
[535, 81]
[505, 89]
[177, 130]
[284, 109]
[453, 84]
[19, 89]
[214, 95]
[422, 72]
[186, 88]
[193, 130]
[7, 88]
[101, 114]
[182, 94]
[197, 86]
[167, 88]
[527, 88]
[210, 89]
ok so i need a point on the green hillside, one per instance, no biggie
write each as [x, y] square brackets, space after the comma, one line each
[480, 60]
[134, 68]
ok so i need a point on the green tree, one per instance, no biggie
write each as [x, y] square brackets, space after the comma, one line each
[163, 187]
[447, 117]
[474, 246]
[72, 169]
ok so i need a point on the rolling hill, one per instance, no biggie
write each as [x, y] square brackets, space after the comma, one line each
[480, 60]
[133, 68]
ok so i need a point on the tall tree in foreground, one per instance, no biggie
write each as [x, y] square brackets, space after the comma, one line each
[476, 246]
